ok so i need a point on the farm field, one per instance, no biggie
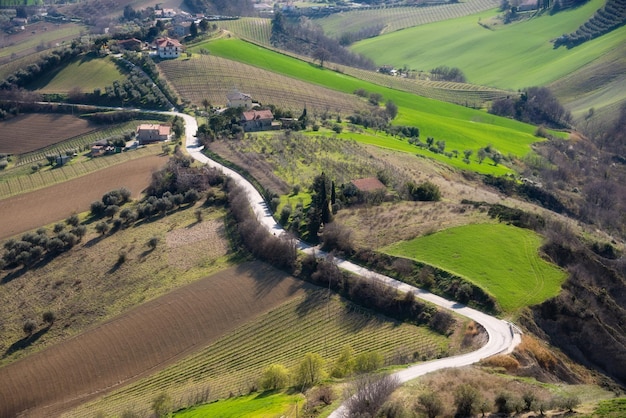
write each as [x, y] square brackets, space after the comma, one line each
[85, 73]
[211, 77]
[518, 278]
[306, 323]
[460, 127]
[396, 18]
[123, 349]
[30, 132]
[30, 210]
[494, 57]
[46, 36]
[255, 29]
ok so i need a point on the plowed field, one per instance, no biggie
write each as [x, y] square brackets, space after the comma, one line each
[31, 132]
[142, 341]
[31, 210]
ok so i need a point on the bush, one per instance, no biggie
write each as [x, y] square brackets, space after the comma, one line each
[48, 317]
[427, 191]
[371, 393]
[29, 327]
[275, 376]
[368, 362]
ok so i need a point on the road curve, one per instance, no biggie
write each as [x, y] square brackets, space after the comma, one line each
[503, 336]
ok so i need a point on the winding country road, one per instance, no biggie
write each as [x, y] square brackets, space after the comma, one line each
[503, 336]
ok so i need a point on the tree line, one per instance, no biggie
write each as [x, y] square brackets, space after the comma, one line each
[536, 105]
[304, 37]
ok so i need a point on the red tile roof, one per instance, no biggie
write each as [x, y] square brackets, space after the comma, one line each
[369, 184]
[257, 115]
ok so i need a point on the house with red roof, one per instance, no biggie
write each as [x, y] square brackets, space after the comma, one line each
[168, 48]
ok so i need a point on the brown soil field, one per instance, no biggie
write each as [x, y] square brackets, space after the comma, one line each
[141, 341]
[31, 210]
[26, 133]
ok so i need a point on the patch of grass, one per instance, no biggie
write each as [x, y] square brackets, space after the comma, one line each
[511, 56]
[612, 408]
[257, 405]
[86, 73]
[502, 259]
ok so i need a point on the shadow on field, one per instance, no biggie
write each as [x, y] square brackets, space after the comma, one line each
[25, 342]
[265, 277]
[314, 300]
[9, 277]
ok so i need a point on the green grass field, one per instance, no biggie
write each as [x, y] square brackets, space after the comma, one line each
[509, 56]
[87, 73]
[461, 127]
[257, 405]
[502, 259]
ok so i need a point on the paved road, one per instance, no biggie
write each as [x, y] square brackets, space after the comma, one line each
[503, 336]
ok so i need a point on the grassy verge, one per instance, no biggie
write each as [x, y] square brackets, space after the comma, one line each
[502, 259]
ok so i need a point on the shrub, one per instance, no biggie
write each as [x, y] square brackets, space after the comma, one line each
[97, 208]
[466, 400]
[371, 392]
[152, 242]
[368, 362]
[431, 403]
[345, 363]
[426, 191]
[162, 405]
[310, 370]
[48, 317]
[29, 327]
[275, 376]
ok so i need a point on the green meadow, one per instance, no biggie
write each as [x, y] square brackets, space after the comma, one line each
[501, 259]
[257, 405]
[511, 56]
[87, 73]
[460, 127]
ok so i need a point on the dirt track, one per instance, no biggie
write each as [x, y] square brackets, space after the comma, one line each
[141, 341]
[34, 209]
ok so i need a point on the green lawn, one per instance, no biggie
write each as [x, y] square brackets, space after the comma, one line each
[257, 405]
[462, 128]
[86, 73]
[502, 259]
[509, 56]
